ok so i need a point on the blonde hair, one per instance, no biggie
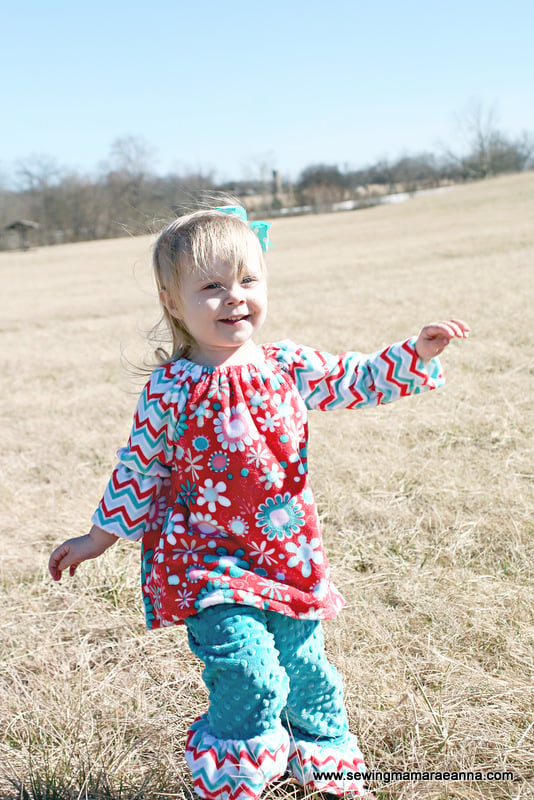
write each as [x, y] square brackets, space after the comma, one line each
[191, 243]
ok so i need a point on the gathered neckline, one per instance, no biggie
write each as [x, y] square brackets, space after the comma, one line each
[263, 360]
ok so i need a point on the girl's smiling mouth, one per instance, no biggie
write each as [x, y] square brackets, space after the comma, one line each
[235, 320]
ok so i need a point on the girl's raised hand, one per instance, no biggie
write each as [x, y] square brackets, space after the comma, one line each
[435, 337]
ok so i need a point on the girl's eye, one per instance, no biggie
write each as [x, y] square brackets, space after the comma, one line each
[212, 286]
[248, 279]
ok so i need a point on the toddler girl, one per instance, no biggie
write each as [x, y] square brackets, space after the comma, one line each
[214, 482]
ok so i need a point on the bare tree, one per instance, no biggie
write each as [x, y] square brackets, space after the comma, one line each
[125, 179]
[133, 156]
[321, 184]
[37, 172]
[487, 150]
[479, 128]
[37, 177]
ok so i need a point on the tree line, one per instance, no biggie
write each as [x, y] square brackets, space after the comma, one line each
[128, 198]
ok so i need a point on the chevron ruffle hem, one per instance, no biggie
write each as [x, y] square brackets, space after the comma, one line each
[234, 769]
[307, 760]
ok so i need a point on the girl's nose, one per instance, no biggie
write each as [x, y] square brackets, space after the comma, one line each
[234, 295]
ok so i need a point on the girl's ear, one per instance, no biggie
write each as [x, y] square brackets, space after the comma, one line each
[163, 298]
[168, 302]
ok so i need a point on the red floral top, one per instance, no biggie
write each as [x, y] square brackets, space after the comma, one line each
[214, 478]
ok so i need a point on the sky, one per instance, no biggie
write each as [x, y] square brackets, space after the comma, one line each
[236, 88]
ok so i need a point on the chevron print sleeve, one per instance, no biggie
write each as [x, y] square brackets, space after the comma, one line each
[144, 463]
[355, 380]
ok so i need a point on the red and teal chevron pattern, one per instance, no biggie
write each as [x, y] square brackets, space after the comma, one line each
[308, 759]
[234, 769]
[144, 462]
[126, 503]
[354, 380]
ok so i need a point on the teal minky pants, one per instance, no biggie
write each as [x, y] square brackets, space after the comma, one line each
[276, 704]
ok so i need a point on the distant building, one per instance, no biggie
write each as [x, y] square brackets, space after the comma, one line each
[22, 227]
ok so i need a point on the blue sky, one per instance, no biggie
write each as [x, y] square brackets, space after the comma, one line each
[232, 86]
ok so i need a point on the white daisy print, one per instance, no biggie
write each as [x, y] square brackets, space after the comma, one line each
[239, 526]
[201, 412]
[273, 476]
[193, 464]
[256, 401]
[184, 598]
[213, 494]
[257, 455]
[311, 614]
[263, 553]
[188, 551]
[232, 429]
[269, 422]
[204, 525]
[285, 408]
[174, 526]
[305, 553]
[157, 514]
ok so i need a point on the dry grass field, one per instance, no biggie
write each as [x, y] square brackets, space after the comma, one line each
[427, 505]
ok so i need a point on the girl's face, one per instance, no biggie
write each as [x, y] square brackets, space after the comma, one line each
[223, 311]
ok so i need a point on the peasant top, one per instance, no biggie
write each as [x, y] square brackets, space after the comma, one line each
[214, 477]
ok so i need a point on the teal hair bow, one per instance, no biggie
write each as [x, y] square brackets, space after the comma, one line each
[260, 228]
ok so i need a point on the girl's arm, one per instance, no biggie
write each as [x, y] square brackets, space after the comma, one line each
[71, 553]
[135, 482]
[357, 380]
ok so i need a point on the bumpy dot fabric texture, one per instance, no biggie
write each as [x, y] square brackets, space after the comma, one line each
[276, 704]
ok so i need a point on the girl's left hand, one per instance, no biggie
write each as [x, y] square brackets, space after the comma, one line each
[435, 337]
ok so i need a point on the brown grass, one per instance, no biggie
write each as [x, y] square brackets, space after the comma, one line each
[426, 505]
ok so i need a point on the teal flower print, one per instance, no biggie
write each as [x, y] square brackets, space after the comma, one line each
[150, 616]
[187, 494]
[280, 516]
[181, 425]
[201, 443]
[219, 387]
[272, 590]
[214, 593]
[223, 560]
[218, 461]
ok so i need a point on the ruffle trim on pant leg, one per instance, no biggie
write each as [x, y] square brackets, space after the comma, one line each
[327, 767]
[234, 769]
